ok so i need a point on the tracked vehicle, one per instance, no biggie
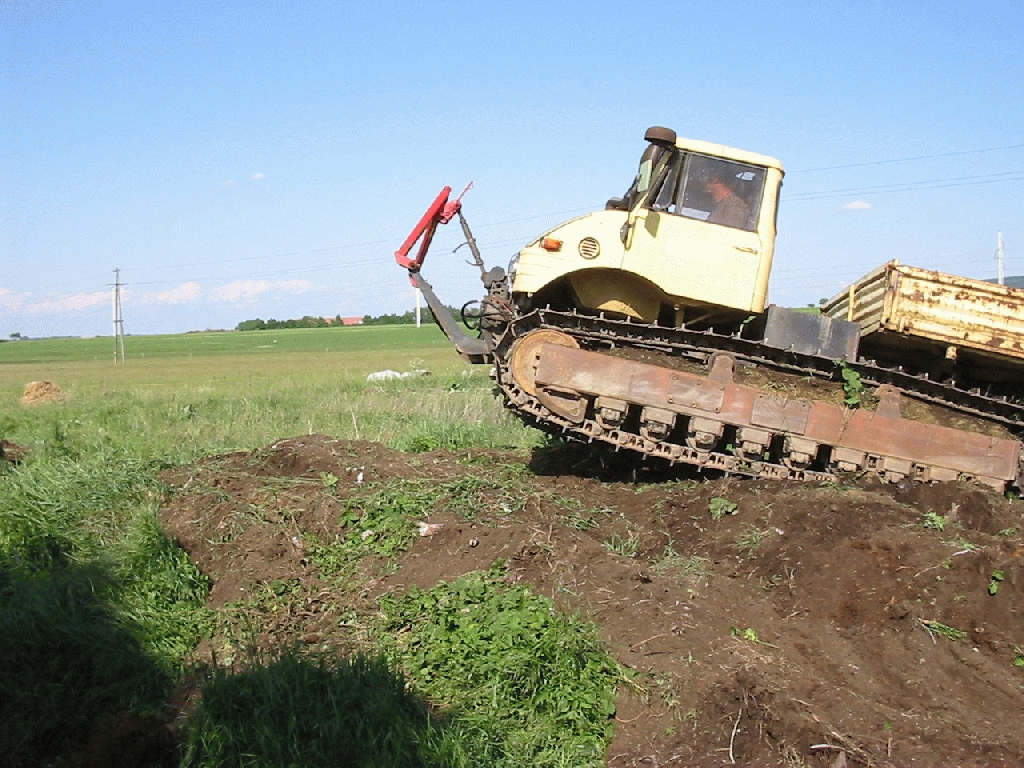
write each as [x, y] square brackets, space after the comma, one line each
[639, 326]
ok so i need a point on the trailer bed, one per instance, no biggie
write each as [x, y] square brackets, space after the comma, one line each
[936, 322]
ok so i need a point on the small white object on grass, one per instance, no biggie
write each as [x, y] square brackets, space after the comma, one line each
[389, 375]
[430, 529]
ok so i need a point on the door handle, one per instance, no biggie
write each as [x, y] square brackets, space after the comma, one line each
[745, 249]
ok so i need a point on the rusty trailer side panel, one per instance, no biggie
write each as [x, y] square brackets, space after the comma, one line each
[900, 303]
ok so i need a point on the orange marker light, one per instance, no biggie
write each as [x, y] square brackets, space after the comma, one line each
[551, 244]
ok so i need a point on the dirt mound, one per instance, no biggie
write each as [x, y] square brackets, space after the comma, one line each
[37, 392]
[769, 624]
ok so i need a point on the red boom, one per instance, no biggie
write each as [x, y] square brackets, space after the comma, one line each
[440, 212]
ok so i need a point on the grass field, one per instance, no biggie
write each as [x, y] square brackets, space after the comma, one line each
[192, 394]
[85, 569]
[347, 339]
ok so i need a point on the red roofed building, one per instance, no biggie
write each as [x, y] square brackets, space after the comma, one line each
[344, 320]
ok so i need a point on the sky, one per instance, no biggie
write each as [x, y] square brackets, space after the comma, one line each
[265, 159]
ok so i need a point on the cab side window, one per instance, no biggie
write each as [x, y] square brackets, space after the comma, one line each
[717, 191]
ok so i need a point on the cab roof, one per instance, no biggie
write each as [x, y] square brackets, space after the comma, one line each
[728, 153]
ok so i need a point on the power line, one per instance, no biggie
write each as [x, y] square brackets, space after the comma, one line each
[907, 159]
[910, 186]
[316, 268]
[366, 244]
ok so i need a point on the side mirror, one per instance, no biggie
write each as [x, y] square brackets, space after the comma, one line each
[616, 204]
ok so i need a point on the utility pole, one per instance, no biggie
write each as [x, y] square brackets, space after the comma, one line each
[118, 318]
[417, 307]
[1000, 273]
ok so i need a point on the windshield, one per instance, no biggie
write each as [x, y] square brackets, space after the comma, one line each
[710, 189]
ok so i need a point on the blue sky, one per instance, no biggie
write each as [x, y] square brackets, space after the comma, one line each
[266, 159]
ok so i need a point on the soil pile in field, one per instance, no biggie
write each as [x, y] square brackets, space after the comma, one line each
[37, 392]
[769, 624]
[13, 452]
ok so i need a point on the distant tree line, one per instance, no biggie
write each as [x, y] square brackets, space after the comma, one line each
[272, 325]
[409, 318]
[426, 316]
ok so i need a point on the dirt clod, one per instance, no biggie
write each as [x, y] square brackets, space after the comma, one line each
[13, 452]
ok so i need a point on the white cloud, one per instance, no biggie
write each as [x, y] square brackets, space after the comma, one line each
[857, 205]
[243, 291]
[22, 303]
[258, 176]
[183, 294]
[227, 183]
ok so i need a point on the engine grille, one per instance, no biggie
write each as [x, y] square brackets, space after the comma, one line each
[589, 248]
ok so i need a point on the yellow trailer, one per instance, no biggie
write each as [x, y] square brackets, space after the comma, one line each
[936, 323]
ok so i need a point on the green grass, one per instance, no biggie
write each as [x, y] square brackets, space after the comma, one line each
[177, 407]
[315, 712]
[245, 343]
[67, 659]
[83, 506]
[519, 683]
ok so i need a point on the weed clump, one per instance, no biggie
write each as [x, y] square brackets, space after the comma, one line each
[720, 507]
[624, 547]
[383, 522]
[522, 685]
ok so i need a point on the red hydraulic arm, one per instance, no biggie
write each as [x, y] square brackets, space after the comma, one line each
[440, 211]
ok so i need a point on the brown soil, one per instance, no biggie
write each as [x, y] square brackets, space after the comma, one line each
[37, 392]
[13, 452]
[798, 631]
